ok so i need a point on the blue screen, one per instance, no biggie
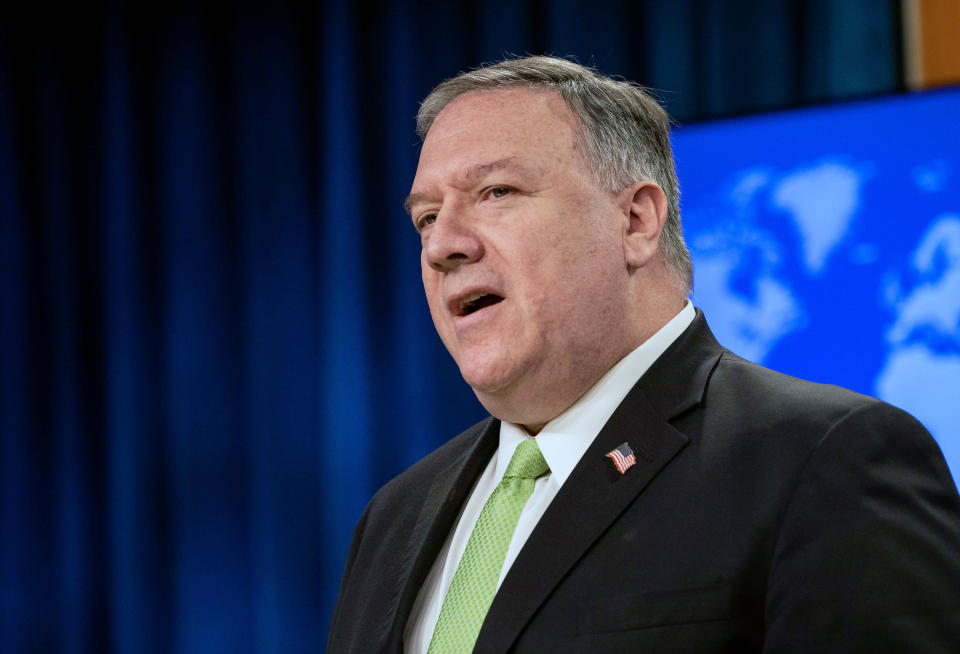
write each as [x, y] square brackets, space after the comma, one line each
[826, 245]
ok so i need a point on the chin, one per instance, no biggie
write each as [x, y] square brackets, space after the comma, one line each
[483, 381]
[501, 391]
[487, 376]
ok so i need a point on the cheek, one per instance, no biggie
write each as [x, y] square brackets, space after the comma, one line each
[586, 280]
[436, 314]
[587, 260]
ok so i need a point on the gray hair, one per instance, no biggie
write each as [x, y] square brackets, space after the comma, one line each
[627, 133]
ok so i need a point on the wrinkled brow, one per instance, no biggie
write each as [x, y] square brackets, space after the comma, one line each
[472, 174]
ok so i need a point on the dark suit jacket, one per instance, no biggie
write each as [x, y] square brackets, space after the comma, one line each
[764, 513]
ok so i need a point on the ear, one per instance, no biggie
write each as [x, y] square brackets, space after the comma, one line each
[644, 206]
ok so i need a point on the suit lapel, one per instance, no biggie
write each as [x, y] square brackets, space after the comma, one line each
[595, 492]
[447, 494]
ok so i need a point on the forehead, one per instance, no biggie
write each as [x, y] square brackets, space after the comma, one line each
[531, 127]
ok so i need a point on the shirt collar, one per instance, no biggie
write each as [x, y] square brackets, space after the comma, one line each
[564, 439]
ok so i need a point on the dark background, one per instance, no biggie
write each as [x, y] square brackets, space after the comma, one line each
[213, 342]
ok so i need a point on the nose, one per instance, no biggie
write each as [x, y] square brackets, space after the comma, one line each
[451, 241]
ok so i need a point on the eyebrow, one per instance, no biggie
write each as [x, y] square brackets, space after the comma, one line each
[473, 173]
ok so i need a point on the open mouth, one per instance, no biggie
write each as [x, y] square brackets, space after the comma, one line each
[476, 301]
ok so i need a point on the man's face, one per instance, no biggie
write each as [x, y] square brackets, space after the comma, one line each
[522, 262]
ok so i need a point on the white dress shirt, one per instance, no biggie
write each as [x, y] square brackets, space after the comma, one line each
[562, 441]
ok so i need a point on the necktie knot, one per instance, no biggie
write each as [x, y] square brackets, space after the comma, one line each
[527, 461]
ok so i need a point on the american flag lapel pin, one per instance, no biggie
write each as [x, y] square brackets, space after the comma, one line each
[622, 457]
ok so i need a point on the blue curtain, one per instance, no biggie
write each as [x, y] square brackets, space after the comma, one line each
[213, 342]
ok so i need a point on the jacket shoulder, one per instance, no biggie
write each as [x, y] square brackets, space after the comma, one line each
[751, 413]
[773, 396]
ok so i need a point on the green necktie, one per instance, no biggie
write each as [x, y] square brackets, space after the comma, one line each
[475, 582]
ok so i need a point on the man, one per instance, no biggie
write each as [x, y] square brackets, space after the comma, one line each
[638, 487]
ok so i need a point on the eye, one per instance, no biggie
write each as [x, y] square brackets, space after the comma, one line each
[426, 219]
[498, 192]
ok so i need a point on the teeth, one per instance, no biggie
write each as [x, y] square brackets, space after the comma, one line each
[469, 299]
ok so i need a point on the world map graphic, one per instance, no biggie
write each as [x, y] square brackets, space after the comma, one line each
[826, 245]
